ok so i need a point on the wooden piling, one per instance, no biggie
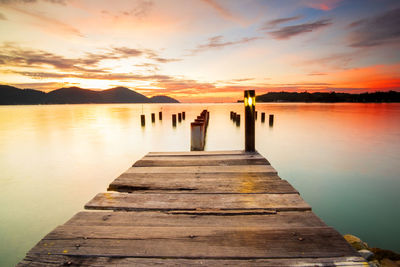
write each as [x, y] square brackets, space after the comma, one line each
[249, 120]
[153, 117]
[183, 115]
[237, 120]
[234, 116]
[198, 130]
[142, 120]
[263, 117]
[271, 119]
[160, 116]
[179, 117]
[256, 115]
[174, 120]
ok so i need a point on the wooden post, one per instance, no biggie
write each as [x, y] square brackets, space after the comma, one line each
[179, 117]
[197, 136]
[183, 115]
[160, 116]
[256, 115]
[237, 119]
[249, 119]
[174, 120]
[153, 117]
[271, 119]
[234, 116]
[262, 116]
[142, 120]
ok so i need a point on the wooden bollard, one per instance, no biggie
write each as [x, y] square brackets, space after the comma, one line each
[256, 115]
[262, 116]
[174, 120]
[160, 116]
[153, 117]
[249, 120]
[179, 117]
[231, 115]
[197, 136]
[142, 120]
[271, 119]
[237, 119]
[183, 115]
[234, 116]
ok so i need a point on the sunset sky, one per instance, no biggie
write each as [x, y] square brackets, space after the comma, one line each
[201, 50]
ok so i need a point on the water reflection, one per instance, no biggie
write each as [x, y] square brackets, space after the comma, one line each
[343, 158]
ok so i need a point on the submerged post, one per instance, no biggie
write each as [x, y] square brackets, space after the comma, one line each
[160, 115]
[153, 117]
[174, 120]
[142, 120]
[249, 118]
[271, 119]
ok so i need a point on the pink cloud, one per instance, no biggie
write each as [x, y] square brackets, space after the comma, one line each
[324, 5]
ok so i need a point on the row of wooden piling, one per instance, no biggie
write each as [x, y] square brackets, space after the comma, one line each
[235, 117]
[198, 130]
[181, 116]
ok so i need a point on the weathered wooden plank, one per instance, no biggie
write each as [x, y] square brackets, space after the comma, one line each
[168, 219]
[203, 162]
[34, 260]
[205, 169]
[202, 176]
[242, 184]
[201, 153]
[204, 157]
[184, 201]
[202, 242]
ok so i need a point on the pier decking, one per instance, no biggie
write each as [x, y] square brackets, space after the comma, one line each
[196, 208]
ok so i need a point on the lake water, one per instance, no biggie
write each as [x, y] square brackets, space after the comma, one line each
[343, 158]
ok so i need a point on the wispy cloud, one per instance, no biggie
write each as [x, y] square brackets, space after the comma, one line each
[224, 12]
[217, 42]
[60, 2]
[273, 23]
[317, 74]
[140, 10]
[335, 60]
[48, 23]
[378, 30]
[12, 55]
[324, 5]
[290, 31]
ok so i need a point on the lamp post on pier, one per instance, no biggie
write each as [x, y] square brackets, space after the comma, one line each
[249, 119]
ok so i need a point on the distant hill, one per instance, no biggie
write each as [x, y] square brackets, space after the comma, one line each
[163, 99]
[332, 97]
[10, 95]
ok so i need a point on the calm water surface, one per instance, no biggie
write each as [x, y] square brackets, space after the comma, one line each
[343, 158]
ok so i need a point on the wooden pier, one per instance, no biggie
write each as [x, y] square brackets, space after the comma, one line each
[196, 208]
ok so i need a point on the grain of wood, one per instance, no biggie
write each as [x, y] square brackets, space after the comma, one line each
[205, 169]
[34, 260]
[177, 242]
[202, 162]
[212, 184]
[184, 201]
[171, 219]
[201, 153]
